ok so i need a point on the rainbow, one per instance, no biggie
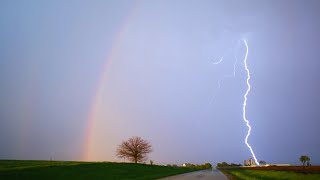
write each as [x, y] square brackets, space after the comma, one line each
[96, 102]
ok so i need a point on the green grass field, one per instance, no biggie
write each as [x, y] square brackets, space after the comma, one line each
[27, 169]
[250, 174]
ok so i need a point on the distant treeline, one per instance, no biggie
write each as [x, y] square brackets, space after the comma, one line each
[198, 166]
[194, 166]
[225, 164]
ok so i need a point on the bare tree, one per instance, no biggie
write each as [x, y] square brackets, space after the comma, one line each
[134, 149]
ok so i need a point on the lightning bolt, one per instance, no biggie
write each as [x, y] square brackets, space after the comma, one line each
[245, 101]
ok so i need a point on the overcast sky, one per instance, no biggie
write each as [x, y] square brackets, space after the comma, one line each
[78, 77]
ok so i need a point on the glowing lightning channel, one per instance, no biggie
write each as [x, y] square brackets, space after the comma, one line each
[245, 102]
[218, 62]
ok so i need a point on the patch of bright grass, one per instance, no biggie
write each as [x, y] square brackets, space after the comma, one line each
[269, 175]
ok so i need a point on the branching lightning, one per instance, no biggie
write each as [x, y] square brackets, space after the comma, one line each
[225, 76]
[245, 102]
[218, 62]
[245, 95]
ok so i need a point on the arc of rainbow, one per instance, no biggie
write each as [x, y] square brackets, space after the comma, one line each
[92, 117]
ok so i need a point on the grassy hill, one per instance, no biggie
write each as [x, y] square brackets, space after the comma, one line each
[28, 169]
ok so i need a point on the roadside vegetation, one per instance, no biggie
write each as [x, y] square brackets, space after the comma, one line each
[16, 169]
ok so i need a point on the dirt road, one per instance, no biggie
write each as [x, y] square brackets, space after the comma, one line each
[199, 175]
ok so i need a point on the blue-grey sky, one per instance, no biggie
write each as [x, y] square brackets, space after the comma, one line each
[110, 70]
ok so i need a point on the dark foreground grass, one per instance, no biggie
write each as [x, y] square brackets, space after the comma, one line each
[250, 174]
[14, 169]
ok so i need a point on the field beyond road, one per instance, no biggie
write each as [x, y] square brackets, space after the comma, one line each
[273, 172]
[28, 169]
